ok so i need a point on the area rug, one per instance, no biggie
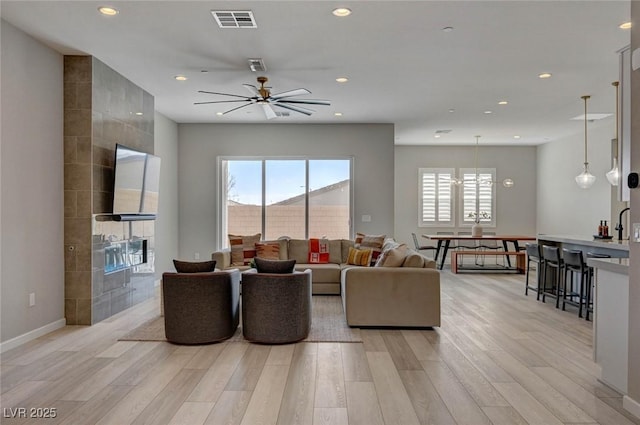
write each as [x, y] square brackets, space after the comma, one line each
[328, 324]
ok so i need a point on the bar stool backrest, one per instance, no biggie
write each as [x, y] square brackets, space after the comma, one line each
[533, 251]
[551, 254]
[573, 258]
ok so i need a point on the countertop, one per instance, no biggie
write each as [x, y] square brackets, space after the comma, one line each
[587, 241]
[616, 265]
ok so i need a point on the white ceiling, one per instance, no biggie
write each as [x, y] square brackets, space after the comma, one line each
[402, 67]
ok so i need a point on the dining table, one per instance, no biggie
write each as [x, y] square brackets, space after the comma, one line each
[444, 241]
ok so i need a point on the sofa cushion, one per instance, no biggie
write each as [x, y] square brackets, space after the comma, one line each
[194, 267]
[299, 250]
[243, 248]
[268, 250]
[325, 273]
[392, 257]
[344, 248]
[413, 259]
[274, 266]
[359, 257]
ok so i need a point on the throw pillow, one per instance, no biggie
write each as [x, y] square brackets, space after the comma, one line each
[243, 248]
[373, 242]
[191, 267]
[318, 251]
[274, 266]
[393, 257]
[359, 257]
[268, 250]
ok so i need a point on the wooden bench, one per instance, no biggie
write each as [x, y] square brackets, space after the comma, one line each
[521, 259]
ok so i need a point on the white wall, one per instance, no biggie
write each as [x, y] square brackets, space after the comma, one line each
[31, 153]
[564, 208]
[516, 207]
[166, 238]
[200, 144]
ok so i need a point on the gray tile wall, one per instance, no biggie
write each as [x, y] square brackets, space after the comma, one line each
[101, 108]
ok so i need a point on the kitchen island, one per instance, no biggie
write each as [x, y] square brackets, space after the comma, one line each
[611, 303]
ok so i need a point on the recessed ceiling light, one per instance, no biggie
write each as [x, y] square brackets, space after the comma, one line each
[545, 75]
[219, 114]
[625, 25]
[138, 113]
[451, 111]
[437, 136]
[516, 137]
[342, 79]
[488, 112]
[503, 102]
[108, 11]
[447, 29]
[341, 12]
[337, 114]
[180, 78]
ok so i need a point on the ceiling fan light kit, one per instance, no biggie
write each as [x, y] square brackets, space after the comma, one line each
[262, 96]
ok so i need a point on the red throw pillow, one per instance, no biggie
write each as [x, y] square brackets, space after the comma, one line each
[318, 251]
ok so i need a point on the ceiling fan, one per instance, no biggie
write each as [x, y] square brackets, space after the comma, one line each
[262, 96]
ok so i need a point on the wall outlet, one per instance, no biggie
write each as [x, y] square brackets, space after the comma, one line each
[32, 299]
[196, 256]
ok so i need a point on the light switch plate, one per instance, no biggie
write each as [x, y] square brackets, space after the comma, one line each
[635, 237]
[366, 218]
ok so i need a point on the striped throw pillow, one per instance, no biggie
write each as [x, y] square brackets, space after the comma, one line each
[359, 257]
[372, 242]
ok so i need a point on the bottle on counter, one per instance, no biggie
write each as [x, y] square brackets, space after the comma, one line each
[605, 229]
[600, 229]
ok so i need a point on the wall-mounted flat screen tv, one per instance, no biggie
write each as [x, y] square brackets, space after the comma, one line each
[136, 182]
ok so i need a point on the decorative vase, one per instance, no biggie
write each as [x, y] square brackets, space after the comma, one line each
[476, 230]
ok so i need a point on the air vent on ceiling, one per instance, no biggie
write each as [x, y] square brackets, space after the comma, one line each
[443, 131]
[282, 114]
[234, 18]
[257, 65]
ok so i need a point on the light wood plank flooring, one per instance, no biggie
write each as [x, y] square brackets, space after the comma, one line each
[499, 358]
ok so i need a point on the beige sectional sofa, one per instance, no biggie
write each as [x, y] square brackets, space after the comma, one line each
[406, 296]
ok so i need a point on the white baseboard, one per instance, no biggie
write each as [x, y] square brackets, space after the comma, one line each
[631, 406]
[30, 336]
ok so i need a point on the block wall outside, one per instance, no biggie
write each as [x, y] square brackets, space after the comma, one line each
[331, 221]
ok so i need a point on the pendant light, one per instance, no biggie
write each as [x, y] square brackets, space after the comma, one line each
[613, 175]
[508, 183]
[585, 179]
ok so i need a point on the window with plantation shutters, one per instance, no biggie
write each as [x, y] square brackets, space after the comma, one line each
[436, 197]
[478, 196]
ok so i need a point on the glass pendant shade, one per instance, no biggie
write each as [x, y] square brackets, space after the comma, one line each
[508, 183]
[585, 179]
[613, 175]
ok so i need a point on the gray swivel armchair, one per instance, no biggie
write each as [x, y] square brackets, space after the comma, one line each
[276, 308]
[201, 308]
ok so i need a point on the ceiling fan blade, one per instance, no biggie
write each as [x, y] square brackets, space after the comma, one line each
[294, 108]
[252, 89]
[222, 101]
[223, 94]
[235, 109]
[268, 111]
[294, 92]
[306, 101]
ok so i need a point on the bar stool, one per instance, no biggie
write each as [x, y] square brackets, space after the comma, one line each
[574, 263]
[533, 255]
[551, 255]
[591, 283]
